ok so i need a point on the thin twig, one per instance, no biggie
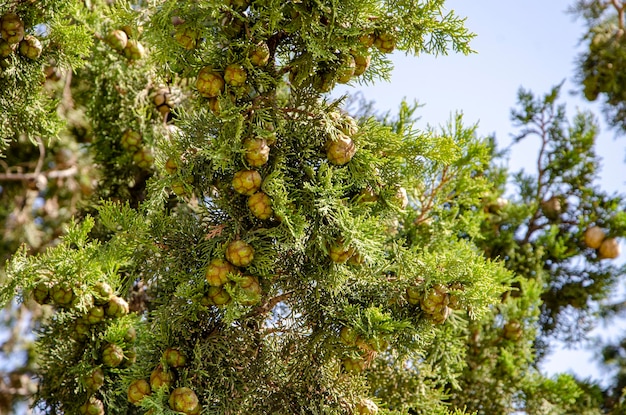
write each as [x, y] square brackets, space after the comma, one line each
[272, 303]
[619, 6]
[67, 91]
[431, 197]
[52, 174]
[42, 156]
[532, 226]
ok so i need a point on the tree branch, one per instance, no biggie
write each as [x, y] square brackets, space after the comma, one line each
[52, 174]
[532, 226]
[271, 303]
[619, 7]
[431, 197]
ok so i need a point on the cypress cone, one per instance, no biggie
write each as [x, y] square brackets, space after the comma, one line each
[260, 55]
[367, 39]
[247, 182]
[385, 42]
[163, 101]
[239, 253]
[138, 390]
[341, 150]
[144, 158]
[93, 406]
[413, 295]
[218, 296]
[62, 295]
[346, 70]
[361, 63]
[117, 39]
[440, 315]
[179, 187]
[257, 151]
[117, 307]
[552, 208]
[131, 334]
[260, 205]
[251, 288]
[131, 141]
[174, 357]
[339, 252]
[95, 315]
[235, 75]
[41, 292]
[6, 49]
[209, 83]
[102, 293]
[161, 378]
[435, 300]
[81, 329]
[94, 380]
[186, 37]
[134, 50]
[171, 166]
[217, 272]
[594, 236]
[11, 28]
[112, 355]
[609, 249]
[184, 400]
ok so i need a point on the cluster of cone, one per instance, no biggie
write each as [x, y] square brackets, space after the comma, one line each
[211, 84]
[181, 399]
[596, 238]
[123, 41]
[348, 66]
[224, 275]
[13, 38]
[248, 182]
[102, 307]
[367, 349]
[132, 142]
[436, 302]
[165, 99]
[221, 86]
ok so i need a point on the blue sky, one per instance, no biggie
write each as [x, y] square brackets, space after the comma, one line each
[531, 44]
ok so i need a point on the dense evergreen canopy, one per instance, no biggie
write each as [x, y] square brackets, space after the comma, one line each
[193, 225]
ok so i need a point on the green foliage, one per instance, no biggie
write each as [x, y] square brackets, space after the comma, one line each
[28, 109]
[540, 236]
[601, 65]
[545, 228]
[378, 271]
[335, 251]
